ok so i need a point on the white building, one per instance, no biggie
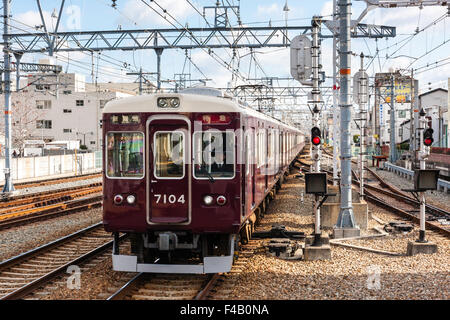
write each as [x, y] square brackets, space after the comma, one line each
[402, 114]
[58, 107]
[434, 103]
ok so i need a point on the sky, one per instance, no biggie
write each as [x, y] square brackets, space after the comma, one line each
[407, 50]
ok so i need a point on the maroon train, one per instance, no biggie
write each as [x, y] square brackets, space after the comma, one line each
[187, 175]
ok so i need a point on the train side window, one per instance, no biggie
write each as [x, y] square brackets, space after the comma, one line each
[125, 155]
[249, 136]
[214, 154]
[169, 155]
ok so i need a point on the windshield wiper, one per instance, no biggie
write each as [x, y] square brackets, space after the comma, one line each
[203, 168]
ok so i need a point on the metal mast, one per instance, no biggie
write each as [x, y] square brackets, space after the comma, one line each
[392, 143]
[8, 187]
[346, 219]
[336, 87]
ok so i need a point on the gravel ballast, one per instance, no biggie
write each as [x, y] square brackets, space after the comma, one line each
[350, 274]
[17, 240]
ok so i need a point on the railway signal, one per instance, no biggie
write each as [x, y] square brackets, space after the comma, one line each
[428, 137]
[316, 136]
[423, 180]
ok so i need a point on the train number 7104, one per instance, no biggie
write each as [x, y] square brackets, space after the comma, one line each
[171, 198]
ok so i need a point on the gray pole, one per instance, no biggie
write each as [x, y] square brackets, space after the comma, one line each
[8, 187]
[140, 81]
[411, 123]
[158, 63]
[336, 86]
[363, 125]
[345, 225]
[316, 152]
[392, 149]
[18, 56]
[423, 153]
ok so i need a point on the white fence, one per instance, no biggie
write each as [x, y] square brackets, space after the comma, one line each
[33, 167]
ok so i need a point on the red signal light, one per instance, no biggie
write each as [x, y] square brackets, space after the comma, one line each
[428, 142]
[316, 141]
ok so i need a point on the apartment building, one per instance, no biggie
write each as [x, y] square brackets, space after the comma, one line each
[54, 107]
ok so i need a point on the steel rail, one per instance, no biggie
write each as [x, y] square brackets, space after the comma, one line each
[39, 282]
[44, 182]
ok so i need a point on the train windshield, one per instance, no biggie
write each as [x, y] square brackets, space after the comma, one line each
[169, 155]
[214, 154]
[125, 154]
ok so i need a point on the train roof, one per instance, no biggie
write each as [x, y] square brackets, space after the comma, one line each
[190, 101]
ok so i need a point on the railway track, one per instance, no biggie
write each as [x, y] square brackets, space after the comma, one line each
[46, 182]
[184, 286]
[21, 275]
[395, 200]
[47, 205]
[385, 195]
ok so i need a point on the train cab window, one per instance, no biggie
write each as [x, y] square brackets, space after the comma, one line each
[214, 155]
[169, 155]
[125, 155]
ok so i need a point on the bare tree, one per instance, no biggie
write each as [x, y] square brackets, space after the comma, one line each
[24, 119]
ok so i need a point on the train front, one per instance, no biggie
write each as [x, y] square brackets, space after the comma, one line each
[171, 182]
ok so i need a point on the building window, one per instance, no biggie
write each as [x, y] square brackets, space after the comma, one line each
[67, 130]
[402, 114]
[43, 124]
[43, 104]
[92, 142]
[67, 110]
[80, 103]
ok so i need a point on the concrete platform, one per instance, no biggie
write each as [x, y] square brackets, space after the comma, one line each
[340, 233]
[414, 248]
[317, 253]
[329, 213]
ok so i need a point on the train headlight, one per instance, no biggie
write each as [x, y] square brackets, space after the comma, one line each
[221, 200]
[163, 103]
[208, 200]
[168, 102]
[174, 102]
[131, 199]
[118, 199]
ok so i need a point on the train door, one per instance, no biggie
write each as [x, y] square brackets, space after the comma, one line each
[169, 178]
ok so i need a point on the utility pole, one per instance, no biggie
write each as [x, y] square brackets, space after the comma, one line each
[360, 93]
[411, 122]
[8, 187]
[140, 74]
[345, 226]
[393, 148]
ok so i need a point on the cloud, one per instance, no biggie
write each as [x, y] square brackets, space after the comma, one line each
[327, 9]
[33, 19]
[268, 10]
[143, 15]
